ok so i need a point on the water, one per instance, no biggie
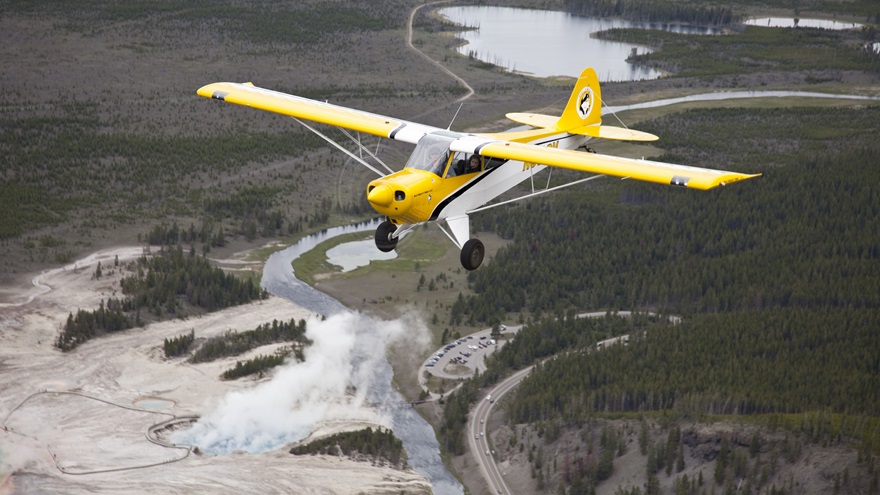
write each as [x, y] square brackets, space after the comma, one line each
[546, 43]
[154, 404]
[788, 22]
[278, 277]
[416, 434]
[351, 255]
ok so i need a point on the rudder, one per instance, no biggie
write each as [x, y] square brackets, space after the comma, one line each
[585, 103]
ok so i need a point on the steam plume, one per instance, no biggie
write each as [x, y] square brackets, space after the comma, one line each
[332, 384]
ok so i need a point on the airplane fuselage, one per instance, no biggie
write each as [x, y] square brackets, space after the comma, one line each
[425, 191]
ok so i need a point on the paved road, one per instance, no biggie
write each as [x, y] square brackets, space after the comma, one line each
[476, 427]
[478, 437]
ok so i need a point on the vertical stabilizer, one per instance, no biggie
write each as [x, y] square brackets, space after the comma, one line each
[585, 103]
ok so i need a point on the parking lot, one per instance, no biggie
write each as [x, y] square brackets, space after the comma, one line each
[463, 357]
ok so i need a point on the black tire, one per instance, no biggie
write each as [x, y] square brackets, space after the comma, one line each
[384, 241]
[472, 254]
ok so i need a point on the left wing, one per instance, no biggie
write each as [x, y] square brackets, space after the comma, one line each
[645, 170]
[246, 94]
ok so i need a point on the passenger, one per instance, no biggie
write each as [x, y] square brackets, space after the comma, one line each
[474, 164]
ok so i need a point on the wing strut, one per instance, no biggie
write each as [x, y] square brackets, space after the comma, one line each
[364, 148]
[339, 147]
[542, 191]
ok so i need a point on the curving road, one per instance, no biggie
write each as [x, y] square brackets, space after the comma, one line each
[478, 439]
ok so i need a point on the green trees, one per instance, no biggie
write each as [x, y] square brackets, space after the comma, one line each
[255, 365]
[235, 343]
[771, 361]
[178, 346]
[169, 283]
[378, 444]
[800, 237]
[84, 325]
[161, 283]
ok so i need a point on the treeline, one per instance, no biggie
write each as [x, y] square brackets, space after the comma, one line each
[695, 12]
[753, 50]
[654, 12]
[84, 325]
[802, 236]
[178, 346]
[234, 343]
[534, 342]
[162, 284]
[256, 365]
[379, 444]
[778, 361]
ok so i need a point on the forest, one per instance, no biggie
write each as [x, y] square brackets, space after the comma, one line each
[691, 12]
[775, 279]
[802, 236]
[234, 343]
[380, 445]
[170, 283]
[754, 49]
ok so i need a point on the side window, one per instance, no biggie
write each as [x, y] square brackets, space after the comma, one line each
[494, 162]
[458, 165]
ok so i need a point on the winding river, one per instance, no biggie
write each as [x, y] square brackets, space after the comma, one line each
[417, 435]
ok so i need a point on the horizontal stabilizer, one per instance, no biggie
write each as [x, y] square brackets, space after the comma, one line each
[597, 131]
[612, 132]
[534, 119]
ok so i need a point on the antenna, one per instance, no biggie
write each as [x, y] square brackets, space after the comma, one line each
[454, 116]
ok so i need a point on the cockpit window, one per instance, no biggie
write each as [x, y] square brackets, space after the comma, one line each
[431, 154]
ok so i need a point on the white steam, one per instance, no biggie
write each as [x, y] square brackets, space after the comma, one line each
[331, 385]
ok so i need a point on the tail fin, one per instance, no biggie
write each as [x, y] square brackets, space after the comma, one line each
[585, 103]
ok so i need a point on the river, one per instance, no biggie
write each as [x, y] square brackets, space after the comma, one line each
[417, 435]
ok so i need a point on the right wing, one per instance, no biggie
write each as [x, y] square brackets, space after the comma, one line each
[246, 94]
[627, 168]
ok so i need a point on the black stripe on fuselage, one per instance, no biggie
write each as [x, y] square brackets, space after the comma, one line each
[461, 190]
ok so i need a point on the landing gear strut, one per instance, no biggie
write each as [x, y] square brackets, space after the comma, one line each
[384, 241]
[472, 254]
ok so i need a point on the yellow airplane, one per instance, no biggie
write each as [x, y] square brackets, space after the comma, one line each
[453, 174]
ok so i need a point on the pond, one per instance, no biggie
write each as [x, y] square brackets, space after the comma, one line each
[788, 22]
[351, 255]
[546, 43]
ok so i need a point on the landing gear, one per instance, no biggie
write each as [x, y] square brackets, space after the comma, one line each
[472, 254]
[384, 241]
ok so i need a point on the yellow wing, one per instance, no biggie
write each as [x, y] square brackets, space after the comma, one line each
[646, 170]
[246, 94]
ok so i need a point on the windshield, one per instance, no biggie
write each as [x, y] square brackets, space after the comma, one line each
[431, 154]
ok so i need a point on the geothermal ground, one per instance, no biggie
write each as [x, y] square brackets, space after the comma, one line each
[97, 440]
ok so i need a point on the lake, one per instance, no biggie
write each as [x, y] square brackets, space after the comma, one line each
[546, 43]
[788, 22]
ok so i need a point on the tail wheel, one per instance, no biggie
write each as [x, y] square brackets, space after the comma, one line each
[384, 241]
[472, 254]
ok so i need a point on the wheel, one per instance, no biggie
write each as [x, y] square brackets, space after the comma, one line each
[384, 241]
[472, 254]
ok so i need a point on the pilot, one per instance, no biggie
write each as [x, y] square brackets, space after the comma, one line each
[473, 164]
